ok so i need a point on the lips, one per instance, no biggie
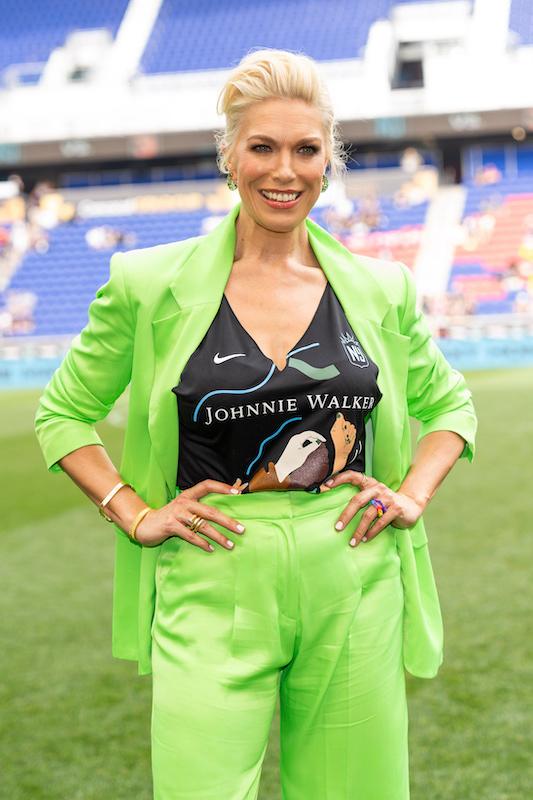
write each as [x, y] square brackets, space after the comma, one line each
[282, 203]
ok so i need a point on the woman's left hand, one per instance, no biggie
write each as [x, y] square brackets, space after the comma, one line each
[402, 511]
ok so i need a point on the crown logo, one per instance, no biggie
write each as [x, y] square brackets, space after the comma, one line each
[353, 350]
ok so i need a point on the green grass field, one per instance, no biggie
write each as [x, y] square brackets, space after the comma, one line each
[75, 723]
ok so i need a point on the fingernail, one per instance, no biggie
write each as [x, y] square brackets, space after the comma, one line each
[363, 539]
[328, 483]
[229, 544]
[244, 486]
[353, 542]
[240, 528]
[211, 548]
[339, 526]
[234, 491]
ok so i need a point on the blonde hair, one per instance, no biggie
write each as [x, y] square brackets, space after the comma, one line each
[268, 73]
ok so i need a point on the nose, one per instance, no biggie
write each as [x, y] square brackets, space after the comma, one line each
[284, 170]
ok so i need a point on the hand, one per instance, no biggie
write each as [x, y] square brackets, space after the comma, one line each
[402, 510]
[170, 520]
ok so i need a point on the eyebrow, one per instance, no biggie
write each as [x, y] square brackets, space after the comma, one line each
[269, 139]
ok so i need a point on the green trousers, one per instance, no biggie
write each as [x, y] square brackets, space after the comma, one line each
[294, 610]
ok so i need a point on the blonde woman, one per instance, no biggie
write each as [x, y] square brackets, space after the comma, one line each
[268, 511]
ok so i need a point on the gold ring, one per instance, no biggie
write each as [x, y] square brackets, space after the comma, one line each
[195, 523]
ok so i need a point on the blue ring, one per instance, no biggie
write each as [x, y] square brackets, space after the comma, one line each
[378, 504]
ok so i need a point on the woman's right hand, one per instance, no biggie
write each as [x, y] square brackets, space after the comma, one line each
[170, 520]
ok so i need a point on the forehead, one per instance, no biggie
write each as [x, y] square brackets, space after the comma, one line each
[281, 118]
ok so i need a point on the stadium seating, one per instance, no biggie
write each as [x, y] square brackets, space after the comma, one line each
[210, 34]
[31, 30]
[66, 277]
[521, 20]
[496, 218]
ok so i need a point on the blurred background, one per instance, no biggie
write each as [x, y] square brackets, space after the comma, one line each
[107, 115]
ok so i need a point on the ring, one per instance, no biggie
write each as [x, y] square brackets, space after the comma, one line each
[195, 523]
[379, 506]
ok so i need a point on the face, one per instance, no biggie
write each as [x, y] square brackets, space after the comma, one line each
[280, 150]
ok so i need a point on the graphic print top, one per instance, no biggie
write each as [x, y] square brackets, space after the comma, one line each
[242, 417]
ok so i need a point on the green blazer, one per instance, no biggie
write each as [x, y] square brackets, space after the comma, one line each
[147, 320]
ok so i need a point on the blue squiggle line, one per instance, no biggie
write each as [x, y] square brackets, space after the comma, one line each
[272, 435]
[305, 347]
[231, 391]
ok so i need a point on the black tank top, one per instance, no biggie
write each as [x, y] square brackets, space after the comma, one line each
[242, 417]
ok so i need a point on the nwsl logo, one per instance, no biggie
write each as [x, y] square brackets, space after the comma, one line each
[353, 350]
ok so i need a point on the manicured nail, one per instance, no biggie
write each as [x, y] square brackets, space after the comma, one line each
[229, 544]
[353, 542]
[363, 539]
[211, 548]
[240, 528]
[339, 526]
[234, 491]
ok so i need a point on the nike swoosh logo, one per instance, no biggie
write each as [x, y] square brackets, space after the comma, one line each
[218, 359]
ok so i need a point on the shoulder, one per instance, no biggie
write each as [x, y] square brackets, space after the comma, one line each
[392, 276]
[146, 271]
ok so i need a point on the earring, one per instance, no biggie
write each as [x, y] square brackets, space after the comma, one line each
[231, 183]
[325, 183]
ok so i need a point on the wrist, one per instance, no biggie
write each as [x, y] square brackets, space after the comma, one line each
[124, 508]
[420, 497]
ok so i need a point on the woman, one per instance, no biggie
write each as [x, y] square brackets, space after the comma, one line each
[286, 368]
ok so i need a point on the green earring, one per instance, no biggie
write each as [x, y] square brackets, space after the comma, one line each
[231, 183]
[325, 183]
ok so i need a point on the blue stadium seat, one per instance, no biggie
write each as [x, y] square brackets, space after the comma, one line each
[32, 29]
[210, 34]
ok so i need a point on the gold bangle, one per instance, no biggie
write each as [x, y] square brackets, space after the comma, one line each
[134, 525]
[116, 488]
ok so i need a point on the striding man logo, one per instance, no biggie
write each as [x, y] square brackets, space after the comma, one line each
[353, 350]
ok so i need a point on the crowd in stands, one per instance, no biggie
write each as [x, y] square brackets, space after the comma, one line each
[26, 219]
[369, 223]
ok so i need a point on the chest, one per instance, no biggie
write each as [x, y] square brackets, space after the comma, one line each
[276, 314]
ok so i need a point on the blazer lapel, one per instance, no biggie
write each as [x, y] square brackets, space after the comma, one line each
[366, 306]
[196, 293]
[196, 290]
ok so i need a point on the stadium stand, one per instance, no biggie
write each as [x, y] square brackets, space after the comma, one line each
[493, 266]
[213, 35]
[32, 29]
[521, 20]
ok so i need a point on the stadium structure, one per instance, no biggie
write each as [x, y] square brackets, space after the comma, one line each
[107, 116]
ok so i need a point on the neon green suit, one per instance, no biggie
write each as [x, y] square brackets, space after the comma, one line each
[145, 323]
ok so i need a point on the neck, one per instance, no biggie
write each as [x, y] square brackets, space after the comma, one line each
[275, 249]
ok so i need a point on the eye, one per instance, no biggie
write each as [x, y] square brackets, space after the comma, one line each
[309, 147]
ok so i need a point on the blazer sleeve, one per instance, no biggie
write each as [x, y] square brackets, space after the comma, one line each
[93, 374]
[437, 394]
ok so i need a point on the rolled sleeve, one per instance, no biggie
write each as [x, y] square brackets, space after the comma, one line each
[437, 394]
[93, 374]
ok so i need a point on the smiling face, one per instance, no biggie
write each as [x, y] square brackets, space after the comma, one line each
[280, 150]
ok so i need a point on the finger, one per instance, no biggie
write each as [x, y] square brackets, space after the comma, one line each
[382, 522]
[183, 530]
[353, 477]
[215, 515]
[360, 533]
[356, 503]
[208, 486]
[185, 533]
[185, 516]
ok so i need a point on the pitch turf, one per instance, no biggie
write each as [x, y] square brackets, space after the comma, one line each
[75, 722]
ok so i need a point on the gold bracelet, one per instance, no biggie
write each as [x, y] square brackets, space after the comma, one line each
[134, 525]
[109, 497]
